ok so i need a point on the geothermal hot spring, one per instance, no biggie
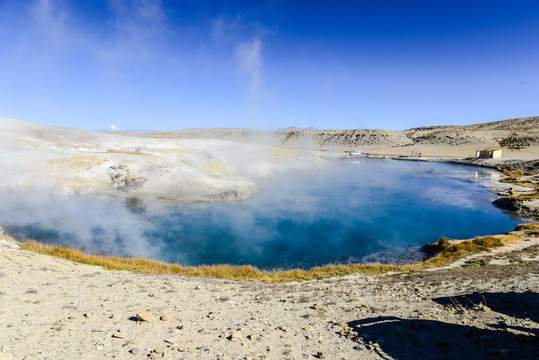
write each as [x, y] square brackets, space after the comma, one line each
[367, 210]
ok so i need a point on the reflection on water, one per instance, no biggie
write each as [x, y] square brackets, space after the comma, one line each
[364, 210]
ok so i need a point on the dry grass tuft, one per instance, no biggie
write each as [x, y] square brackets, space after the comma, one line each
[442, 253]
[527, 227]
[244, 273]
[446, 251]
[517, 179]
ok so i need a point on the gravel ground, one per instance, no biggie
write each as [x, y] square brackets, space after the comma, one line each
[485, 306]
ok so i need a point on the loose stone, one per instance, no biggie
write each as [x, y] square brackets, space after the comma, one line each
[119, 335]
[236, 337]
[146, 316]
[160, 350]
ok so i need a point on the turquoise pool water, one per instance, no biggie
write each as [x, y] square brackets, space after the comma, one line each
[366, 210]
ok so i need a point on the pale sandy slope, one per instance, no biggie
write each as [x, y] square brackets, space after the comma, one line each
[55, 309]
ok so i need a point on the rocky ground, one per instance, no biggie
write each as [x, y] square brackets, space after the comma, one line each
[486, 306]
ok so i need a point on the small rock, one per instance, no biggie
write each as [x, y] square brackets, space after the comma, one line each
[166, 317]
[119, 335]
[146, 316]
[155, 355]
[134, 351]
[157, 310]
[319, 355]
[236, 337]
[160, 350]
[361, 347]
[132, 183]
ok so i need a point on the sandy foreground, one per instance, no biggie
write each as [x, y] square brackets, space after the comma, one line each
[485, 306]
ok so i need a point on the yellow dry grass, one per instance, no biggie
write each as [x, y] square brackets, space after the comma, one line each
[442, 253]
[528, 227]
[521, 178]
[518, 179]
[521, 182]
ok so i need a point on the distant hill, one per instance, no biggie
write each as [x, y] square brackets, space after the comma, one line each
[512, 133]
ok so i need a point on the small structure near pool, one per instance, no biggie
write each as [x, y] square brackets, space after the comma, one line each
[488, 154]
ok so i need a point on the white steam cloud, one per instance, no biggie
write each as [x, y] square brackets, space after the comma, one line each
[97, 224]
[50, 20]
[249, 56]
[139, 27]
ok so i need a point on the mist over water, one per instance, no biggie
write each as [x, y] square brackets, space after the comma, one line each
[364, 210]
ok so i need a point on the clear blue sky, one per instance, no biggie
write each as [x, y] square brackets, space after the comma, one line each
[149, 64]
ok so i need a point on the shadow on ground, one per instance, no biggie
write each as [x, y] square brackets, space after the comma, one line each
[410, 339]
[520, 305]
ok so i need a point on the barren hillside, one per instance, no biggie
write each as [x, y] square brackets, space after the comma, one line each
[512, 134]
